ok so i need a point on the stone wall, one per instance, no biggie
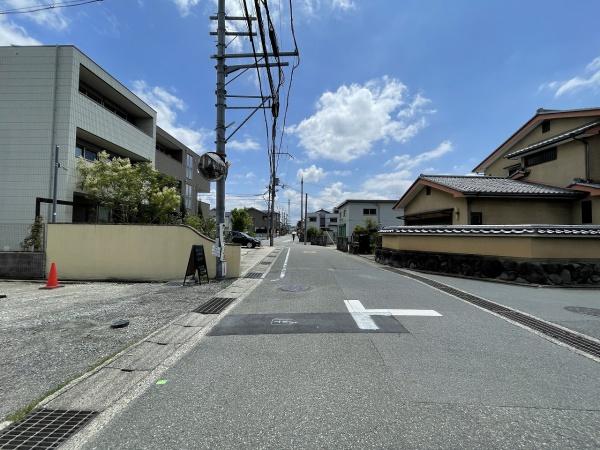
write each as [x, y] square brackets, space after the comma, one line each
[22, 265]
[544, 272]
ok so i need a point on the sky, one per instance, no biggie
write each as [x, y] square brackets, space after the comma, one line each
[385, 90]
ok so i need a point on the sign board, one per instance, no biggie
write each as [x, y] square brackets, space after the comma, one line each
[196, 264]
[212, 166]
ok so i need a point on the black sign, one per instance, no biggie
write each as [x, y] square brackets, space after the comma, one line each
[196, 264]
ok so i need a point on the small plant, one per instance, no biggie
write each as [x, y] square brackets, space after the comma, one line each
[36, 236]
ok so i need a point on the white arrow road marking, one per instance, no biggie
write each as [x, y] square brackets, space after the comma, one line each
[363, 319]
[284, 268]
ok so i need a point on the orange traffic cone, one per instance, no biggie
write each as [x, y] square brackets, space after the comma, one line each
[52, 278]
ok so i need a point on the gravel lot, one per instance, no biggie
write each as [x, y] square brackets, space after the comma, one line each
[50, 337]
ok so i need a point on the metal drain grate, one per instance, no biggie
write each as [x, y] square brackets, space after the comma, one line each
[44, 428]
[215, 305]
[567, 337]
[254, 275]
[265, 263]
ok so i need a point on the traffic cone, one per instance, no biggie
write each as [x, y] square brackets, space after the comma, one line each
[52, 282]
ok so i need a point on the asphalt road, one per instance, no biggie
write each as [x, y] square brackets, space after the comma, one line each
[465, 379]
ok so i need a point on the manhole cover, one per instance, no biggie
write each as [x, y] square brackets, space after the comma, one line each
[294, 288]
[582, 310]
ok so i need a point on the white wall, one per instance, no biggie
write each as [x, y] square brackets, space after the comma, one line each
[386, 216]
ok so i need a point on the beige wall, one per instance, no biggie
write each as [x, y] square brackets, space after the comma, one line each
[129, 252]
[558, 126]
[594, 158]
[517, 247]
[569, 164]
[576, 212]
[519, 211]
[439, 200]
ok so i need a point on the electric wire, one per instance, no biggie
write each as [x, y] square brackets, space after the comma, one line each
[47, 6]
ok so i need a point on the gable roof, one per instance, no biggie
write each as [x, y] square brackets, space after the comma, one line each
[478, 186]
[540, 115]
[366, 200]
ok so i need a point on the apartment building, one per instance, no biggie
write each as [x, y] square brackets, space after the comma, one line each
[179, 161]
[57, 96]
[356, 212]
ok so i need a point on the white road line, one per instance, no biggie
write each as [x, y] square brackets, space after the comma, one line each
[284, 268]
[363, 319]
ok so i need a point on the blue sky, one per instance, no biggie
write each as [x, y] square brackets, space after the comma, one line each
[385, 89]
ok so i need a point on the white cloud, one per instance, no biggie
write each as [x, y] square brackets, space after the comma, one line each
[350, 120]
[167, 106]
[312, 174]
[312, 8]
[589, 79]
[405, 161]
[247, 144]
[12, 34]
[184, 6]
[51, 18]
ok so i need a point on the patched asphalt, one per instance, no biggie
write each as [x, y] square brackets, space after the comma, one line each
[466, 379]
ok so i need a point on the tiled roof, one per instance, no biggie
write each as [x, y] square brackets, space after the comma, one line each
[553, 140]
[583, 183]
[498, 186]
[474, 230]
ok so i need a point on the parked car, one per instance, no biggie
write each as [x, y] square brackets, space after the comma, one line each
[237, 237]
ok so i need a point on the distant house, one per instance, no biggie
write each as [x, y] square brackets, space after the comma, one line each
[356, 212]
[547, 172]
[261, 219]
[323, 220]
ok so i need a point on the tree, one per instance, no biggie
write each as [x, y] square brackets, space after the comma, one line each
[206, 226]
[240, 220]
[134, 192]
[35, 237]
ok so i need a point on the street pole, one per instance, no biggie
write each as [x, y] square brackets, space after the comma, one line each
[305, 217]
[287, 217]
[55, 189]
[220, 92]
[301, 202]
[273, 188]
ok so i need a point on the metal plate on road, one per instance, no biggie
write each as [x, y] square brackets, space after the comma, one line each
[299, 323]
[583, 310]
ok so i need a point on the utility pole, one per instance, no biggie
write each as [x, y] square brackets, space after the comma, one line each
[305, 216]
[55, 193]
[287, 217]
[273, 188]
[301, 201]
[220, 92]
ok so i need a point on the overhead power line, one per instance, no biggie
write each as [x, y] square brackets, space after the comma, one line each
[47, 6]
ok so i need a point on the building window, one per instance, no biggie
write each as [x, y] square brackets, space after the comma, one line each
[312, 219]
[539, 158]
[545, 126]
[513, 169]
[476, 218]
[188, 196]
[427, 190]
[586, 211]
[189, 171]
[102, 101]
[369, 212]
[333, 220]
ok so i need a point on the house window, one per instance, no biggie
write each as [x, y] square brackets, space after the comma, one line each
[539, 158]
[545, 126]
[427, 190]
[189, 166]
[369, 212]
[333, 220]
[312, 219]
[188, 196]
[476, 218]
[586, 211]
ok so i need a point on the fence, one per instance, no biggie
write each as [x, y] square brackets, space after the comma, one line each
[12, 236]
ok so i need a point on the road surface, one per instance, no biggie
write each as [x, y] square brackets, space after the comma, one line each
[291, 367]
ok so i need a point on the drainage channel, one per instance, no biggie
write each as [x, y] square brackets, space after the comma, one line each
[44, 428]
[215, 305]
[574, 340]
